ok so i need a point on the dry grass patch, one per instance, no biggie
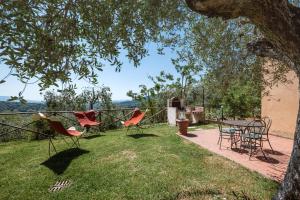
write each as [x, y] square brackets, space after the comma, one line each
[129, 154]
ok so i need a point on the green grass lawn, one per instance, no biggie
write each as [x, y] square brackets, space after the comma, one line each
[155, 165]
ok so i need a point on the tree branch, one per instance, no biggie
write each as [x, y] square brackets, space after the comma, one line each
[227, 9]
[278, 20]
[264, 48]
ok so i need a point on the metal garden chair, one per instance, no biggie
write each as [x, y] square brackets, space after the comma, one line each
[252, 137]
[226, 133]
[265, 135]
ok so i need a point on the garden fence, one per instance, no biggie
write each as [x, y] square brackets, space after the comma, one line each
[22, 125]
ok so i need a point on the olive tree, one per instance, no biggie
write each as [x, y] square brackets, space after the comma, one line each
[52, 40]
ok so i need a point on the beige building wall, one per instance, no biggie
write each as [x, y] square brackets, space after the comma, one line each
[281, 105]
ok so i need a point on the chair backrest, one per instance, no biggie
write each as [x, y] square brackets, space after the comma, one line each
[55, 125]
[268, 122]
[58, 127]
[136, 117]
[256, 126]
[79, 115]
[136, 113]
[219, 124]
[91, 115]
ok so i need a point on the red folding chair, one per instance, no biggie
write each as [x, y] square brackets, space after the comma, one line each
[87, 119]
[58, 127]
[135, 119]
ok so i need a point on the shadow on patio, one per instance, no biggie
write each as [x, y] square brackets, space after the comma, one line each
[273, 167]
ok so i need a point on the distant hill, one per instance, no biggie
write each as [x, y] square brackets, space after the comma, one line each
[126, 104]
[18, 107]
[5, 98]
[33, 105]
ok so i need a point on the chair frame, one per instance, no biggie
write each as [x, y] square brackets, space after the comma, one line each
[253, 136]
[226, 135]
[74, 139]
[63, 131]
[137, 125]
[265, 136]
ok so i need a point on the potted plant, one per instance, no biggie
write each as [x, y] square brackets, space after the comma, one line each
[182, 122]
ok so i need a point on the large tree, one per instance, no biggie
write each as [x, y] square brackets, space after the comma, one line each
[279, 22]
[50, 40]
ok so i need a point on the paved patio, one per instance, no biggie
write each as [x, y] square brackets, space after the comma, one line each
[274, 167]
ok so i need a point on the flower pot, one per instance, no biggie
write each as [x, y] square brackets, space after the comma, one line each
[183, 126]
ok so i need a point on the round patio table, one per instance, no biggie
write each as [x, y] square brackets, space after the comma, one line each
[242, 123]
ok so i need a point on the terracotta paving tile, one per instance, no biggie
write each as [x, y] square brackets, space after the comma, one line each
[274, 167]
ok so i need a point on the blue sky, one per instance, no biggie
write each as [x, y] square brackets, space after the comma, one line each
[119, 82]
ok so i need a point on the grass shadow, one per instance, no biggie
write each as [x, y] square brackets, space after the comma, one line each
[60, 161]
[142, 135]
[90, 137]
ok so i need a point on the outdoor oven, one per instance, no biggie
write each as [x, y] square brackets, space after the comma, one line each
[174, 102]
[195, 114]
[174, 105]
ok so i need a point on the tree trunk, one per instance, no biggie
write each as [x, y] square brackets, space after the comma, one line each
[290, 187]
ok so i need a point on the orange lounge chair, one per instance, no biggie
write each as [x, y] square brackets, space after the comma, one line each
[135, 119]
[87, 119]
[58, 127]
